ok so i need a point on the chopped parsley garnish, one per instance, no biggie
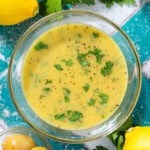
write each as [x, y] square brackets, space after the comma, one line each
[104, 98]
[92, 102]
[95, 35]
[97, 53]
[66, 98]
[107, 69]
[48, 81]
[47, 89]
[58, 67]
[40, 45]
[82, 60]
[70, 115]
[60, 116]
[68, 62]
[66, 93]
[86, 87]
[75, 116]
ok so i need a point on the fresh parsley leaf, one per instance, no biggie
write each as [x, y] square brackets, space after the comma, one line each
[86, 87]
[104, 98]
[95, 35]
[71, 115]
[118, 137]
[40, 45]
[74, 2]
[75, 116]
[68, 62]
[110, 3]
[98, 54]
[69, 112]
[49, 6]
[66, 93]
[60, 116]
[128, 2]
[121, 140]
[82, 60]
[47, 89]
[92, 102]
[107, 69]
[66, 98]
[48, 81]
[58, 67]
[100, 148]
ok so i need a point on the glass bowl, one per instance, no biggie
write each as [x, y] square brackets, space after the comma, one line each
[38, 138]
[133, 67]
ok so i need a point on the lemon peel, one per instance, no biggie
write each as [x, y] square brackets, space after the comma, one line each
[16, 11]
[137, 138]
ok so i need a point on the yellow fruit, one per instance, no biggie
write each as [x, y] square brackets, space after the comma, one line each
[39, 148]
[18, 142]
[15, 11]
[137, 138]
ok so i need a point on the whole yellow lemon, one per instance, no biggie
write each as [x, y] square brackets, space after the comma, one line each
[18, 142]
[15, 11]
[137, 138]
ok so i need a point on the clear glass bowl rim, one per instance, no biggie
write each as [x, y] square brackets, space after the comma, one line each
[44, 19]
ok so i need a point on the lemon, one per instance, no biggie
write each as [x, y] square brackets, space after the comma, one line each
[16, 11]
[38, 148]
[18, 142]
[137, 138]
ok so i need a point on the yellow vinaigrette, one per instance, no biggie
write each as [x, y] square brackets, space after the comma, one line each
[74, 76]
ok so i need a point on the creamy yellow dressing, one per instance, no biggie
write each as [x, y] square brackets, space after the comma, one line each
[74, 76]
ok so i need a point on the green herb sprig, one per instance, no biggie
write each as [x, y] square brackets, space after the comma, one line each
[51, 6]
[118, 136]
